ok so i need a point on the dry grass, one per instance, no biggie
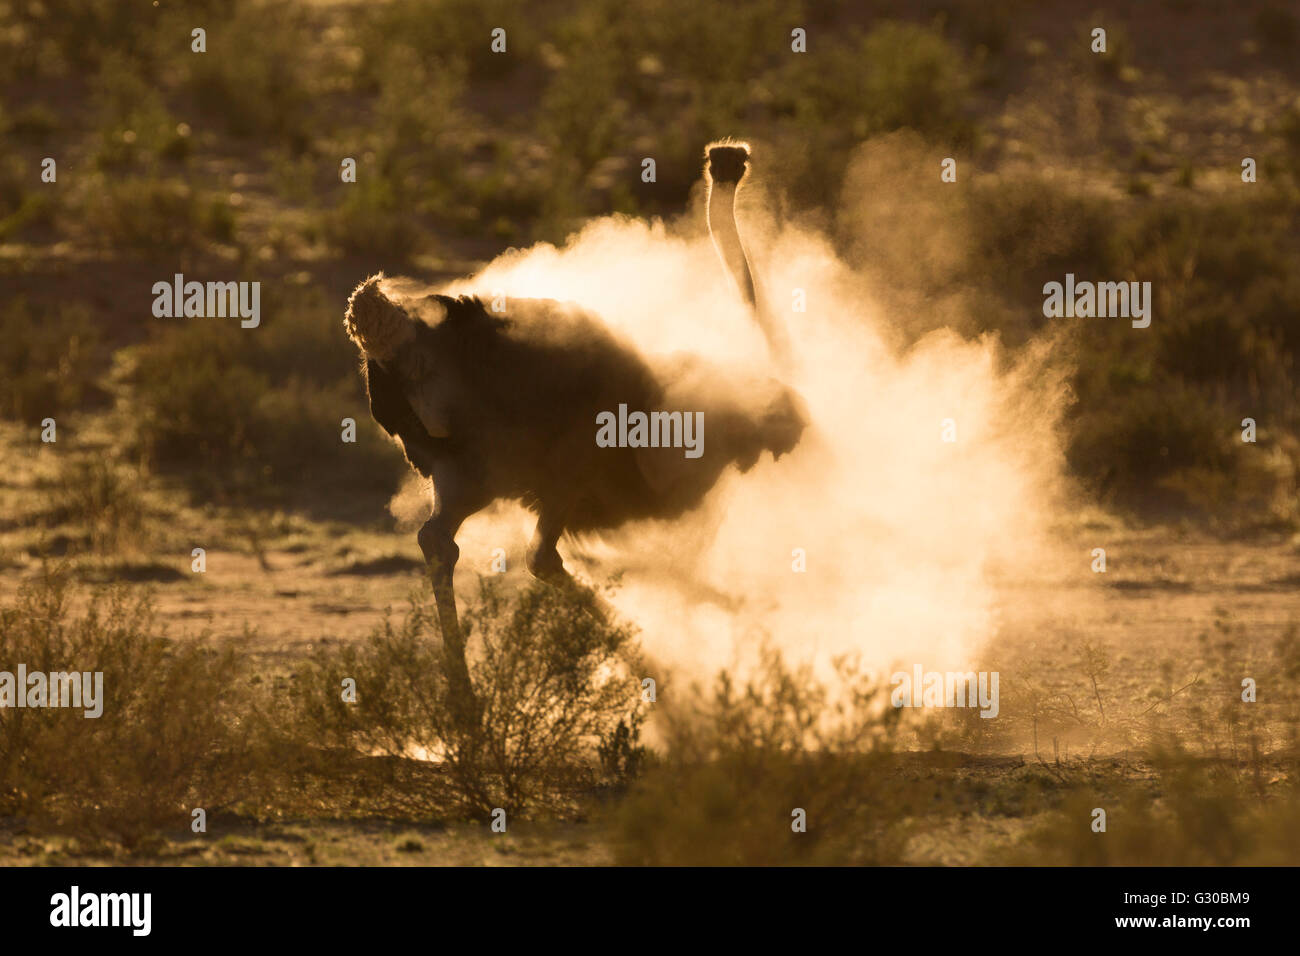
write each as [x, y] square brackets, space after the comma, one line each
[261, 743]
[552, 682]
[169, 738]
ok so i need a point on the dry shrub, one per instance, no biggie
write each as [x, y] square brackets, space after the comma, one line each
[373, 220]
[1196, 812]
[169, 738]
[258, 77]
[552, 684]
[284, 389]
[154, 217]
[102, 497]
[740, 760]
[48, 361]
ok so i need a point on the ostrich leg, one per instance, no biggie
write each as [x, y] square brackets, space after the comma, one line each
[544, 561]
[545, 564]
[438, 542]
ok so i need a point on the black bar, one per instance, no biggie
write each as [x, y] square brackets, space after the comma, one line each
[216, 905]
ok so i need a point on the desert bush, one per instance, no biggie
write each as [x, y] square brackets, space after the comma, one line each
[1034, 226]
[578, 136]
[373, 220]
[101, 496]
[1158, 415]
[283, 389]
[551, 683]
[912, 77]
[451, 29]
[1195, 813]
[153, 216]
[48, 361]
[896, 76]
[511, 194]
[169, 736]
[173, 382]
[79, 33]
[1276, 26]
[414, 161]
[737, 761]
[135, 127]
[1129, 447]
[34, 122]
[257, 76]
[21, 206]
[672, 78]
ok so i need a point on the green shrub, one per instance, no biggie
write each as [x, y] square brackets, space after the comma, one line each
[81, 33]
[899, 75]
[193, 399]
[1026, 232]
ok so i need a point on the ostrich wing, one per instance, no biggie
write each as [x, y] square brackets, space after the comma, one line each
[392, 410]
[430, 401]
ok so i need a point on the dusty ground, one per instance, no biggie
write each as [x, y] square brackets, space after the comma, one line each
[1178, 616]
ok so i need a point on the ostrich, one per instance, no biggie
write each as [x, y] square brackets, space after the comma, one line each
[494, 406]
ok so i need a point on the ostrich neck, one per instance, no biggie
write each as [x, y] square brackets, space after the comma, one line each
[726, 238]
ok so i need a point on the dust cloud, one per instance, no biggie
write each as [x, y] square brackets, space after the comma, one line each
[902, 534]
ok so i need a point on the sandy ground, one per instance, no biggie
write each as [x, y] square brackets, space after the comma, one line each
[1179, 617]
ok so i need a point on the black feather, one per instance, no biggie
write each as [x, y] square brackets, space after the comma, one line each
[393, 412]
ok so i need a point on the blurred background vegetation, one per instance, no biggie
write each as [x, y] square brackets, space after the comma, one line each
[225, 165]
[1122, 166]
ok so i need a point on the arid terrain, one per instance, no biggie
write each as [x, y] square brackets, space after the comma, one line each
[1179, 616]
[1120, 688]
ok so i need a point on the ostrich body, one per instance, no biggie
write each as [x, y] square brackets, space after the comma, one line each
[494, 406]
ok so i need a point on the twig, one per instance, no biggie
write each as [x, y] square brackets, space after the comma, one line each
[1165, 700]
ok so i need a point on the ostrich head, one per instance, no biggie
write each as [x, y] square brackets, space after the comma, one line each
[728, 162]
